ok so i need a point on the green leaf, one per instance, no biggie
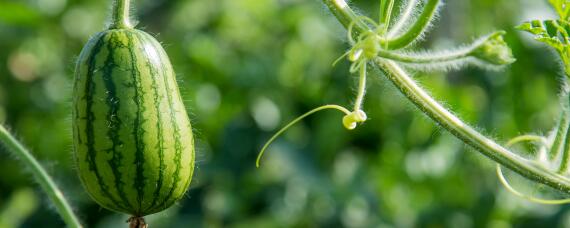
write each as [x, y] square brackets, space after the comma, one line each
[561, 7]
[554, 33]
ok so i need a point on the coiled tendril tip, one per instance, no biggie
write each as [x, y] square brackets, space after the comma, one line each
[351, 120]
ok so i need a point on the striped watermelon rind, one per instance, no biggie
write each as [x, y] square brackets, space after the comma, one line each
[133, 142]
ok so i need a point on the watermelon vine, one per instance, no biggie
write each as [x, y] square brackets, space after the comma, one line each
[385, 47]
[492, 50]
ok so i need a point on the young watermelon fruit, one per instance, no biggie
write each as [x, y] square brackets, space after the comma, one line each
[132, 137]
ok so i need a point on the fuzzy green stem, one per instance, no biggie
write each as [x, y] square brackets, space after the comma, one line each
[562, 127]
[345, 15]
[430, 58]
[386, 14]
[489, 50]
[48, 185]
[403, 18]
[361, 88]
[565, 154]
[488, 147]
[382, 12]
[415, 31]
[120, 17]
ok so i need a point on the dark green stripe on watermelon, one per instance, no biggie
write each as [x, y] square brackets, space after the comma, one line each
[113, 120]
[155, 89]
[132, 137]
[89, 117]
[177, 143]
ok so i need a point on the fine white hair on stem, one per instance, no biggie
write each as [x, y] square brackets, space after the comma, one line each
[409, 11]
[476, 54]
[416, 27]
[442, 61]
[429, 26]
[444, 66]
[427, 57]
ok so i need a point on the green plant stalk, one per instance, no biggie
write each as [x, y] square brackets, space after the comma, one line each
[345, 15]
[564, 163]
[566, 154]
[416, 29]
[488, 147]
[562, 128]
[386, 14]
[403, 18]
[120, 18]
[361, 88]
[433, 58]
[45, 181]
[382, 12]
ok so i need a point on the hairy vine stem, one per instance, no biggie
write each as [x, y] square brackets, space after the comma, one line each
[467, 134]
[560, 137]
[430, 59]
[48, 185]
[405, 16]
[385, 14]
[361, 88]
[404, 39]
[428, 105]
[120, 18]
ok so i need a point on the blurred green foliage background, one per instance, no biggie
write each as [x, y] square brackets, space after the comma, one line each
[245, 68]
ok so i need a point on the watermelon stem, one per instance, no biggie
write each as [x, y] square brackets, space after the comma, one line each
[120, 17]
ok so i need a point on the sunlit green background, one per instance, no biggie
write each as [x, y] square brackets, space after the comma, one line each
[246, 67]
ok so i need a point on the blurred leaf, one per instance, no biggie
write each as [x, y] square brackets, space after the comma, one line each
[17, 13]
[19, 207]
[554, 33]
[561, 7]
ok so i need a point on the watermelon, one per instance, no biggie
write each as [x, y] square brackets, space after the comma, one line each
[132, 138]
